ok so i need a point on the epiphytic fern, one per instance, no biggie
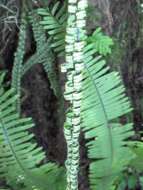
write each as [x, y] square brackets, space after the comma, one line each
[20, 159]
[54, 21]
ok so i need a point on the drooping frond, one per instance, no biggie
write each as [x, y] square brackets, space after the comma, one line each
[54, 21]
[18, 61]
[103, 102]
[20, 159]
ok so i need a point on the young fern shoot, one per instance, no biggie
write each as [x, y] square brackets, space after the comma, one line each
[75, 42]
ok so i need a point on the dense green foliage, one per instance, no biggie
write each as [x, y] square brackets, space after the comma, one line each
[96, 99]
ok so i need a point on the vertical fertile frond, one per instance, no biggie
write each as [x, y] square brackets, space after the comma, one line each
[18, 61]
[104, 101]
[75, 41]
[19, 158]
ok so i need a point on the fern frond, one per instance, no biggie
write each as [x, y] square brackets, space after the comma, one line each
[18, 61]
[54, 21]
[101, 42]
[103, 101]
[48, 64]
[19, 158]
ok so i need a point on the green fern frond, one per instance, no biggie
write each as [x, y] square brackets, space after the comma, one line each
[49, 63]
[18, 61]
[54, 21]
[103, 101]
[19, 158]
[101, 42]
